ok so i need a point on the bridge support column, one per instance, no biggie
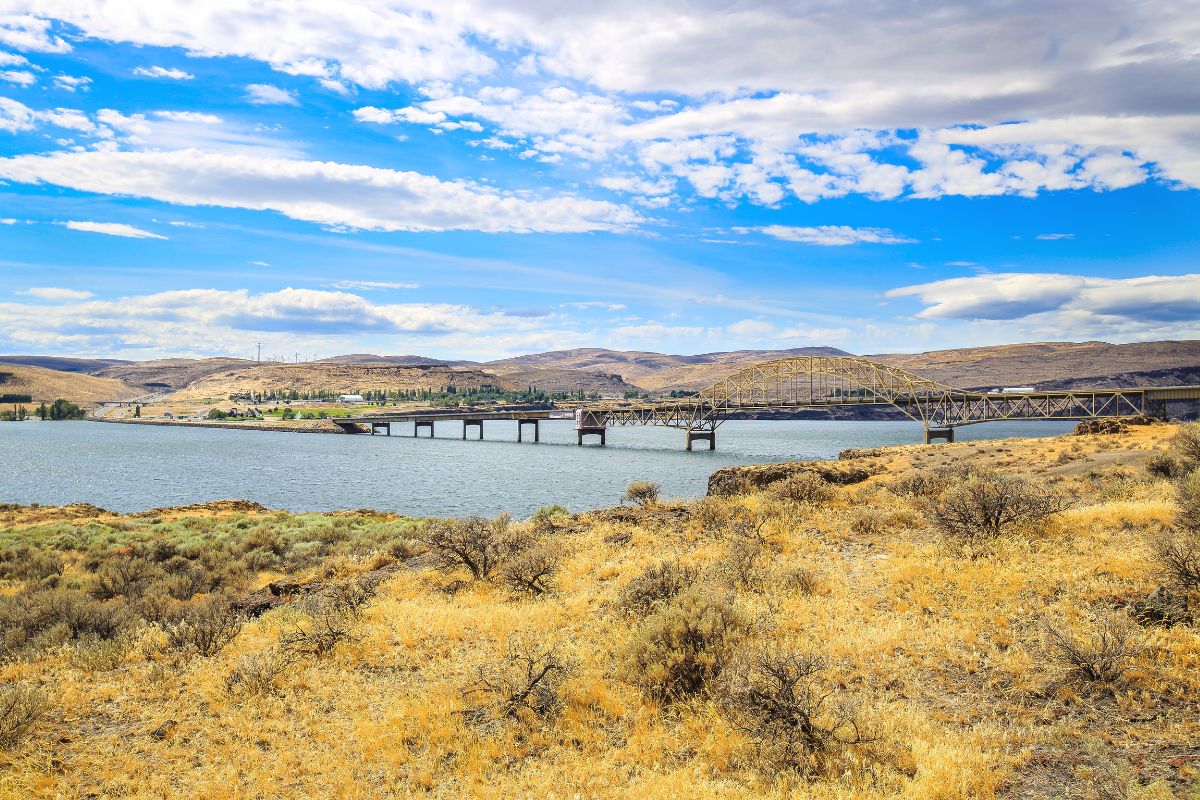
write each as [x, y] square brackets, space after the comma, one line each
[589, 431]
[469, 422]
[521, 423]
[418, 424]
[385, 426]
[711, 436]
[939, 433]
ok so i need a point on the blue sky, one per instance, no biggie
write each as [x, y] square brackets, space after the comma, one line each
[476, 180]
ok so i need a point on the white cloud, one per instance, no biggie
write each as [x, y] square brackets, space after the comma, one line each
[189, 116]
[72, 83]
[55, 293]
[831, 235]
[1153, 300]
[112, 229]
[264, 94]
[902, 101]
[1053, 237]
[172, 73]
[261, 263]
[212, 320]
[24, 31]
[323, 192]
[374, 285]
[18, 76]
[596, 304]
[12, 60]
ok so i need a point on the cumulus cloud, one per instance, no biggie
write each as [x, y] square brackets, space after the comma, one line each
[831, 235]
[18, 76]
[1089, 300]
[172, 73]
[55, 293]
[264, 94]
[314, 191]
[222, 321]
[189, 116]
[112, 229]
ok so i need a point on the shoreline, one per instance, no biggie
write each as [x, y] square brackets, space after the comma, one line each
[234, 426]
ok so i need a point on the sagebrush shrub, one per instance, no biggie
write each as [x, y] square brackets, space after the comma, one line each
[1102, 655]
[258, 673]
[1177, 554]
[525, 686]
[803, 487]
[679, 649]
[478, 544]
[656, 585]
[20, 710]
[204, 628]
[642, 493]
[533, 570]
[1186, 444]
[987, 505]
[785, 701]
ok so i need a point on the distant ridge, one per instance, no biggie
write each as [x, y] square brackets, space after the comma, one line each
[371, 358]
[86, 366]
[613, 373]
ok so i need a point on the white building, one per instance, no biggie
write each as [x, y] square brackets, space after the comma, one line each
[350, 398]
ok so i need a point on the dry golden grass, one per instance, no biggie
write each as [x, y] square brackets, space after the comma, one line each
[942, 654]
[51, 384]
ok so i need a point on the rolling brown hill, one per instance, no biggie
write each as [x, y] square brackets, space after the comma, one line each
[1041, 362]
[338, 378]
[170, 374]
[642, 368]
[50, 384]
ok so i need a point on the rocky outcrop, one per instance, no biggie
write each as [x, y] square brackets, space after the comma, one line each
[745, 480]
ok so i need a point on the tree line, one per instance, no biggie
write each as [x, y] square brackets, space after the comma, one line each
[58, 410]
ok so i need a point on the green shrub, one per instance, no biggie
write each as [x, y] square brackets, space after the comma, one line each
[684, 645]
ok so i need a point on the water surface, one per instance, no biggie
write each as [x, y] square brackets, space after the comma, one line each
[135, 467]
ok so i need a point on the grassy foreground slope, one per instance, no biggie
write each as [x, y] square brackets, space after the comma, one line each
[845, 632]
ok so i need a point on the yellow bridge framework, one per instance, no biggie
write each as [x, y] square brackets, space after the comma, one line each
[810, 382]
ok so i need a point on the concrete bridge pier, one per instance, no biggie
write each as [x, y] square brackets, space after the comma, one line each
[946, 434]
[710, 436]
[521, 423]
[386, 426]
[422, 423]
[590, 431]
[469, 422]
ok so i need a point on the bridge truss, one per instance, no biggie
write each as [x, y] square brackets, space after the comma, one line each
[828, 381]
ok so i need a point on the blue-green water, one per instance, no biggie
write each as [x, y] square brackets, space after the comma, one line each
[135, 467]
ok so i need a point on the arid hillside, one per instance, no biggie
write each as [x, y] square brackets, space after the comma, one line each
[864, 628]
[49, 385]
[337, 378]
[636, 366]
[1041, 362]
[169, 374]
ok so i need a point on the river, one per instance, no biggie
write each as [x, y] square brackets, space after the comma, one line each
[134, 467]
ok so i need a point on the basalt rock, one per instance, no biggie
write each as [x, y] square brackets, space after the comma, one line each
[746, 480]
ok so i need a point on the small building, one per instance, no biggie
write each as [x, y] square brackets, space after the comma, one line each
[350, 398]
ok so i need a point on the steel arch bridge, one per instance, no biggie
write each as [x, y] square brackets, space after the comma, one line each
[827, 381]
